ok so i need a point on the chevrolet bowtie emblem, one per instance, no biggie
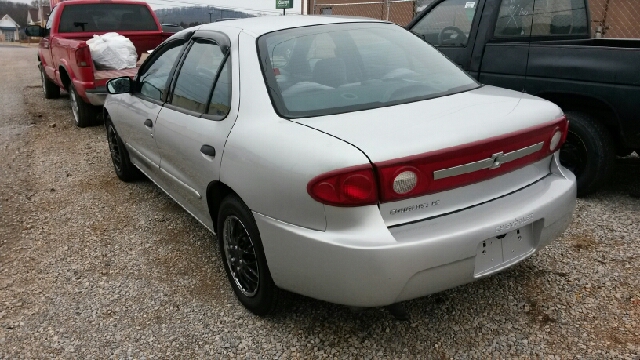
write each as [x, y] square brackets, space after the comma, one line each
[497, 160]
[494, 162]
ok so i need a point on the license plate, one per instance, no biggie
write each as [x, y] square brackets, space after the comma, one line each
[501, 251]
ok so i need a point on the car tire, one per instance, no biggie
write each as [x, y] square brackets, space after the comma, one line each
[122, 165]
[50, 89]
[588, 152]
[243, 257]
[84, 114]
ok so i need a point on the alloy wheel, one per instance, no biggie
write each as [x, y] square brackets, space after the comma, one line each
[241, 256]
[74, 104]
[114, 148]
[44, 89]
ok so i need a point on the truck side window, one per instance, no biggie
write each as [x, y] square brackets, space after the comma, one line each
[448, 24]
[514, 19]
[52, 16]
[559, 17]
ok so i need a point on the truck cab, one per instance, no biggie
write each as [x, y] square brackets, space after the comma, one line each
[544, 48]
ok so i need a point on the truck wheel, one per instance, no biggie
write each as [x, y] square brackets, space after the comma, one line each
[51, 90]
[588, 152]
[83, 114]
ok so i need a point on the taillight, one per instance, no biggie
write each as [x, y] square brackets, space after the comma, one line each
[467, 164]
[440, 170]
[83, 56]
[354, 186]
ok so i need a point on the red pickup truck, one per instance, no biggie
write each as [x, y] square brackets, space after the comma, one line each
[64, 57]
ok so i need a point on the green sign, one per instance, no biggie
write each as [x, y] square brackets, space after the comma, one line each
[284, 4]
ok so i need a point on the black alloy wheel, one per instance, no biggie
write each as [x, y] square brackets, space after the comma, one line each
[122, 165]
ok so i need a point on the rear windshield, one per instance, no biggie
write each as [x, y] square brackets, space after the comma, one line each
[338, 68]
[106, 17]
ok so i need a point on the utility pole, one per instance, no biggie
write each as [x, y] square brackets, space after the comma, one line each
[210, 13]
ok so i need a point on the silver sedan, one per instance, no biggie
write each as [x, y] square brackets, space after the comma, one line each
[342, 159]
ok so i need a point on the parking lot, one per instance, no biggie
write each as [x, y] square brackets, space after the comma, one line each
[91, 267]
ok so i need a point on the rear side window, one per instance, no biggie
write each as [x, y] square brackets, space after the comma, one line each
[514, 19]
[448, 24]
[197, 77]
[105, 17]
[559, 17]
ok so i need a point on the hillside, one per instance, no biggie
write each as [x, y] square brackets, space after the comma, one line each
[196, 14]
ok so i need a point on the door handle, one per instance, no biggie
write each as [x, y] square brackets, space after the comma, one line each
[208, 150]
[148, 123]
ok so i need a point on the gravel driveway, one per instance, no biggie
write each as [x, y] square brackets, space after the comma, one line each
[91, 267]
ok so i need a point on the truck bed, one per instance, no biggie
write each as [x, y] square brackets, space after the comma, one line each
[110, 74]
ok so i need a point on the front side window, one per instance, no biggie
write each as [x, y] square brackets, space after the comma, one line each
[514, 18]
[448, 24]
[197, 76]
[106, 17]
[52, 16]
[153, 80]
[337, 68]
[559, 17]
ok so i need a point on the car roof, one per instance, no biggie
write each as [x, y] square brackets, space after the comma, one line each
[264, 24]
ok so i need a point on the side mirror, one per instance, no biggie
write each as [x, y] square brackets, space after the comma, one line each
[35, 30]
[121, 85]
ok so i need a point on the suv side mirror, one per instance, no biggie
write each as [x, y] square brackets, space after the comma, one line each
[121, 85]
[35, 30]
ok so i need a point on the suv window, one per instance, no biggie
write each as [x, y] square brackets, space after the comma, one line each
[153, 80]
[448, 24]
[559, 17]
[514, 19]
[197, 76]
[106, 17]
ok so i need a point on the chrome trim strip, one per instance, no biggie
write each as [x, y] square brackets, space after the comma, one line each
[174, 199]
[142, 156]
[493, 162]
[181, 183]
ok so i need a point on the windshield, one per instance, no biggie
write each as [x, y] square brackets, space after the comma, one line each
[337, 68]
[106, 17]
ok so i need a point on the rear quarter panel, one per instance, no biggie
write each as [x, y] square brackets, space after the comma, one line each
[268, 161]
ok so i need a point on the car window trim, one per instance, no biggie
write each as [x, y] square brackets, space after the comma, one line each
[159, 51]
[211, 39]
[216, 117]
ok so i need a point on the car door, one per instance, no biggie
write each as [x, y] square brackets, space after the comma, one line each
[450, 26]
[140, 109]
[193, 126]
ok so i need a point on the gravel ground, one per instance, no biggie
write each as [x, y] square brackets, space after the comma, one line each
[91, 267]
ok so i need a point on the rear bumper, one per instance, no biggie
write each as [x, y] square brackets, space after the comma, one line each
[379, 266]
[96, 96]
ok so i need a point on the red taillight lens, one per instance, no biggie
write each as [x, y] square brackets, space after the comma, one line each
[83, 56]
[354, 186]
[470, 163]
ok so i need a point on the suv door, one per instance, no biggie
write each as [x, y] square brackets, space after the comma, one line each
[451, 27]
[193, 126]
[139, 110]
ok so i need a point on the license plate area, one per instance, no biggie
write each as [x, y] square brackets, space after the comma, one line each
[501, 251]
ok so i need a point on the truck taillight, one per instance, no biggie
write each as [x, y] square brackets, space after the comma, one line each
[83, 56]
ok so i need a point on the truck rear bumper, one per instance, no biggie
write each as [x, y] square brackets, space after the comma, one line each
[96, 96]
